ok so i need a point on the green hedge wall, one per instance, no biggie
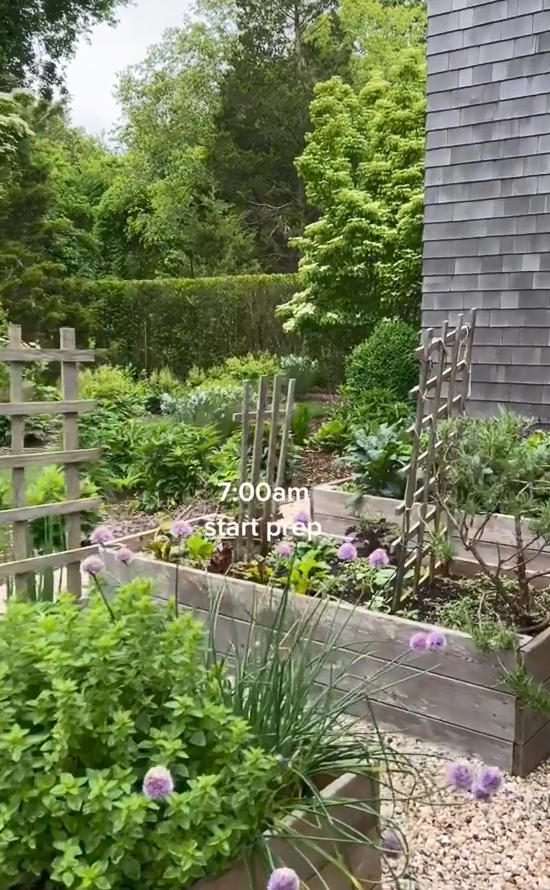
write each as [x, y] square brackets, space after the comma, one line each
[179, 323]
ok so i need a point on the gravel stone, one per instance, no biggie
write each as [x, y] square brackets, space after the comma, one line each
[503, 844]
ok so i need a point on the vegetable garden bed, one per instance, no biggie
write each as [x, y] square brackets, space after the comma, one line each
[457, 697]
[497, 543]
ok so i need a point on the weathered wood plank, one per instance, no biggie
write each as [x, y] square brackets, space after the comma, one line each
[82, 505]
[231, 635]
[47, 561]
[530, 755]
[536, 655]
[69, 388]
[384, 637]
[21, 543]
[28, 354]
[31, 409]
[417, 689]
[46, 458]
[332, 511]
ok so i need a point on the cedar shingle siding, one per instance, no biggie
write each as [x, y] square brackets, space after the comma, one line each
[487, 214]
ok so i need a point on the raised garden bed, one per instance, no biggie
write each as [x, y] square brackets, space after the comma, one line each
[331, 509]
[314, 866]
[457, 697]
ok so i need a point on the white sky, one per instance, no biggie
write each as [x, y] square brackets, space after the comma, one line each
[91, 76]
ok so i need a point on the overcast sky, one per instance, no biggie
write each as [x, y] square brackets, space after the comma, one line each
[91, 76]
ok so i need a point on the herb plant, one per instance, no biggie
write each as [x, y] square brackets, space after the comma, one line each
[89, 708]
[378, 461]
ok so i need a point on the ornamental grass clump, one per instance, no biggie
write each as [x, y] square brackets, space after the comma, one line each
[121, 767]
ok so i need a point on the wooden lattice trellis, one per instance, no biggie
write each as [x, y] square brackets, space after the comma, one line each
[24, 565]
[275, 468]
[449, 354]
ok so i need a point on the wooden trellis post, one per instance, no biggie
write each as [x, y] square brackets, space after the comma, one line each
[24, 564]
[450, 354]
[275, 470]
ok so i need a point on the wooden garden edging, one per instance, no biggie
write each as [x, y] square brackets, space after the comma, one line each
[453, 698]
[497, 544]
[331, 841]
[23, 565]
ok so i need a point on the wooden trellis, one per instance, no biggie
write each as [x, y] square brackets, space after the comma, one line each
[24, 564]
[275, 470]
[442, 391]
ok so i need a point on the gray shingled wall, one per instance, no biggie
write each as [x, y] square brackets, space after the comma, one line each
[487, 215]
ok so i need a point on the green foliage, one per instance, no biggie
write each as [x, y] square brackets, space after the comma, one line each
[363, 168]
[88, 706]
[333, 436]
[385, 361]
[280, 50]
[493, 465]
[36, 40]
[301, 424]
[115, 390]
[237, 369]
[364, 409]
[172, 462]
[378, 460]
[161, 383]
[211, 404]
[184, 323]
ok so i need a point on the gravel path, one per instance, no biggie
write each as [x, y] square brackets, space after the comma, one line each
[500, 845]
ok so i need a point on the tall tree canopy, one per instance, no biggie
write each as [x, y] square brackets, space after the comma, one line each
[364, 170]
[38, 36]
[282, 49]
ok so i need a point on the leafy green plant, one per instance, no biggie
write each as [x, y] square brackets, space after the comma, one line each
[301, 368]
[378, 462]
[173, 461]
[236, 369]
[88, 707]
[211, 404]
[115, 390]
[333, 436]
[386, 360]
[301, 423]
[161, 383]
[370, 407]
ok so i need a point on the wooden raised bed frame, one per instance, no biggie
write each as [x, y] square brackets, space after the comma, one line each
[362, 861]
[330, 508]
[454, 698]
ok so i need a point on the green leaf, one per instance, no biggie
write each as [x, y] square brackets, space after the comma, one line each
[131, 868]
[197, 738]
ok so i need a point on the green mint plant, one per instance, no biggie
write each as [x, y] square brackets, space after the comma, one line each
[91, 710]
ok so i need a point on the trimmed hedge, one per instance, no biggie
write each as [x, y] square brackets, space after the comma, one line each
[178, 323]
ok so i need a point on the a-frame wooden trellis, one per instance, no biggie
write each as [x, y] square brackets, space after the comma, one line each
[442, 391]
[24, 564]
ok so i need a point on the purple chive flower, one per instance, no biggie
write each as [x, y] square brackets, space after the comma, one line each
[418, 642]
[93, 565]
[158, 783]
[283, 879]
[436, 641]
[124, 555]
[284, 549]
[379, 559]
[461, 776]
[101, 535]
[487, 782]
[302, 516]
[392, 845]
[181, 529]
[347, 551]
